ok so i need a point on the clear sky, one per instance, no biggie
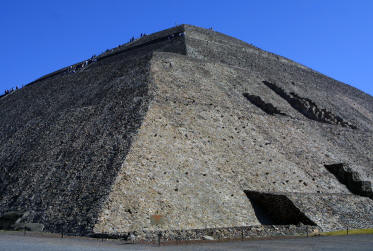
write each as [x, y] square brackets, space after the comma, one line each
[334, 37]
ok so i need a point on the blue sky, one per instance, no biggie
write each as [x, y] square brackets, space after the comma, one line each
[334, 37]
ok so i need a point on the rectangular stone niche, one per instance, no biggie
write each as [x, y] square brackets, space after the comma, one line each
[276, 209]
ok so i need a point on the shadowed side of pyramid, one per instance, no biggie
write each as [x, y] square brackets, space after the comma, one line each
[65, 136]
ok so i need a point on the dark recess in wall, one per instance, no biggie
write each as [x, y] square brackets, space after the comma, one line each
[275, 209]
[351, 179]
[8, 219]
[265, 107]
[308, 108]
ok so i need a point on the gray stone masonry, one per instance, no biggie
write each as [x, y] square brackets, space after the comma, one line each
[180, 123]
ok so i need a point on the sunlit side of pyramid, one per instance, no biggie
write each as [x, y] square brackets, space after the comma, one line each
[193, 125]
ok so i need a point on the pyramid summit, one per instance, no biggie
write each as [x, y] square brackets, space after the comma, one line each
[192, 126]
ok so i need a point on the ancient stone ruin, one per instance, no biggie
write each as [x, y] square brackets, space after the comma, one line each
[208, 133]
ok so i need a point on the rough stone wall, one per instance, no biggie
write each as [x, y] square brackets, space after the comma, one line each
[326, 93]
[172, 133]
[291, 76]
[170, 179]
[64, 137]
[231, 233]
[335, 211]
[62, 146]
[211, 145]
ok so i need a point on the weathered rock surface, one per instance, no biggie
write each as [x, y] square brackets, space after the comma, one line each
[182, 123]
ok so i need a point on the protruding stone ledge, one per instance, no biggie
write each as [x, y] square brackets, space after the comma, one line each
[265, 107]
[308, 108]
[351, 179]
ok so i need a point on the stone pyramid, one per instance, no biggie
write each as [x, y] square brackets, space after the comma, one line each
[193, 126]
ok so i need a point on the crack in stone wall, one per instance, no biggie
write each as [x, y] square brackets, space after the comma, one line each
[351, 179]
[265, 107]
[277, 209]
[308, 108]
